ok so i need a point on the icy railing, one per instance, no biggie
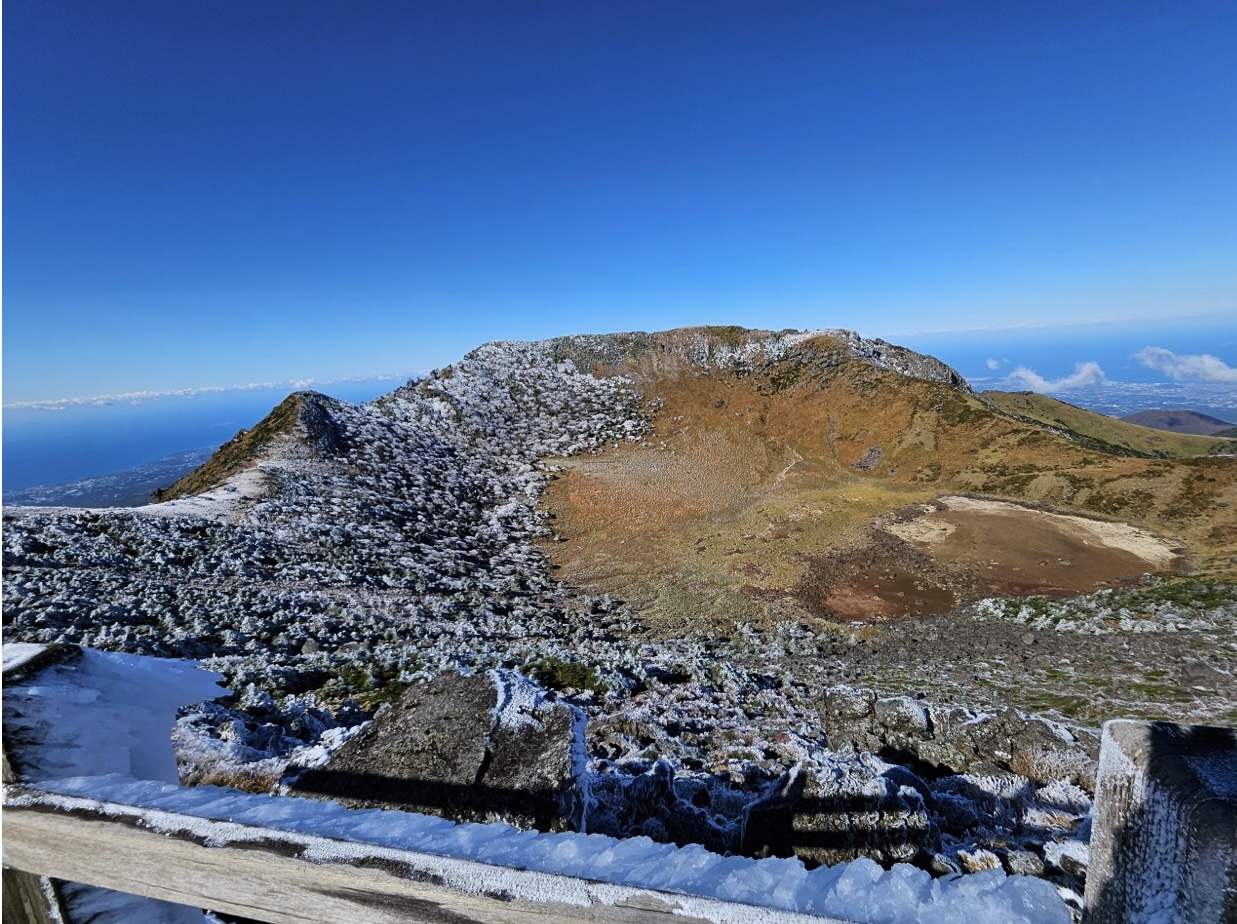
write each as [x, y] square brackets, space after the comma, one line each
[96, 800]
[1164, 837]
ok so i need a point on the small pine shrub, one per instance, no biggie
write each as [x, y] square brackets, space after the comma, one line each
[557, 674]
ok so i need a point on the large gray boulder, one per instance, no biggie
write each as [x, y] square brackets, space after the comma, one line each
[486, 747]
[945, 740]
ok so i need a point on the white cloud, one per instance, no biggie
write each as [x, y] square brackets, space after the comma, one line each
[137, 397]
[993, 363]
[1084, 375]
[1201, 366]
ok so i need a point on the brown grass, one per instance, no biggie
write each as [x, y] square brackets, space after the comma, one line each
[749, 478]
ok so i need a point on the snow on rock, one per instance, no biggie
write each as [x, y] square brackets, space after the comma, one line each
[1205, 605]
[954, 738]
[18, 654]
[419, 511]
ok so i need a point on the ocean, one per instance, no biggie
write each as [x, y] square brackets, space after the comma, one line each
[51, 447]
[1113, 368]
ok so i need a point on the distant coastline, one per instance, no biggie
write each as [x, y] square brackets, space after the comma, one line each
[45, 448]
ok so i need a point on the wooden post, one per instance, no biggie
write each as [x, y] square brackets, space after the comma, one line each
[29, 899]
[1164, 835]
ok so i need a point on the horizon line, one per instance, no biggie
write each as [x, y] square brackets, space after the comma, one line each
[137, 397]
[996, 328]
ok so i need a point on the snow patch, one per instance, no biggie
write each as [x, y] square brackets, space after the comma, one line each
[518, 699]
[103, 712]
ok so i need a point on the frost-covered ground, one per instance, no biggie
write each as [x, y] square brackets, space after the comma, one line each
[1201, 605]
[87, 727]
[394, 540]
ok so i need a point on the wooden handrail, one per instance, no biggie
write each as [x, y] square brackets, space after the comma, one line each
[1155, 778]
[277, 876]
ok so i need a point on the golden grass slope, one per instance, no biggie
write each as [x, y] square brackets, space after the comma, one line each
[239, 453]
[1075, 421]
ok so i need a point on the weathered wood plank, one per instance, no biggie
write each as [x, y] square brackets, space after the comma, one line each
[279, 877]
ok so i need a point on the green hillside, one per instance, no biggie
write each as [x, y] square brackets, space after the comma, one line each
[1106, 433]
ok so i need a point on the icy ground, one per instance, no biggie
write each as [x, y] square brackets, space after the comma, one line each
[87, 726]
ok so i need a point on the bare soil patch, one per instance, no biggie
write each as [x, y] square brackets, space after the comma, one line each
[884, 577]
[931, 558]
[967, 523]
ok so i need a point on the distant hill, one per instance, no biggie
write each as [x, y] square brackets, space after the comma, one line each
[1123, 436]
[1180, 421]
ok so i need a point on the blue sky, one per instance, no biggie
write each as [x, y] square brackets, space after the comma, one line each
[211, 194]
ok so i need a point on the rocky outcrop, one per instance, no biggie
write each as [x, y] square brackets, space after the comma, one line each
[486, 747]
[869, 460]
[739, 351]
[903, 361]
[837, 811]
[939, 741]
[669, 807]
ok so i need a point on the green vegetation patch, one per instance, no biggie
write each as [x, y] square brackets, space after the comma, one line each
[371, 684]
[557, 674]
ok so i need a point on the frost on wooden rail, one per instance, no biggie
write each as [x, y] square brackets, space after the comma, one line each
[1164, 837]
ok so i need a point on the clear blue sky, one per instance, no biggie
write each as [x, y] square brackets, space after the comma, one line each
[214, 193]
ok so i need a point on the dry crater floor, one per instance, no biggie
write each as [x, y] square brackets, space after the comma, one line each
[743, 508]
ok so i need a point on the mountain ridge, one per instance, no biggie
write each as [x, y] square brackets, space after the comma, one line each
[788, 479]
[845, 405]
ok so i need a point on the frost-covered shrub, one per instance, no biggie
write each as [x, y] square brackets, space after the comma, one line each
[1170, 606]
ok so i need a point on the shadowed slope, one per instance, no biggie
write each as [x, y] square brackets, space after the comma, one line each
[1180, 421]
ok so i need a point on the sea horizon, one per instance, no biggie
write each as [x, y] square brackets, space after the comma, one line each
[76, 441]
